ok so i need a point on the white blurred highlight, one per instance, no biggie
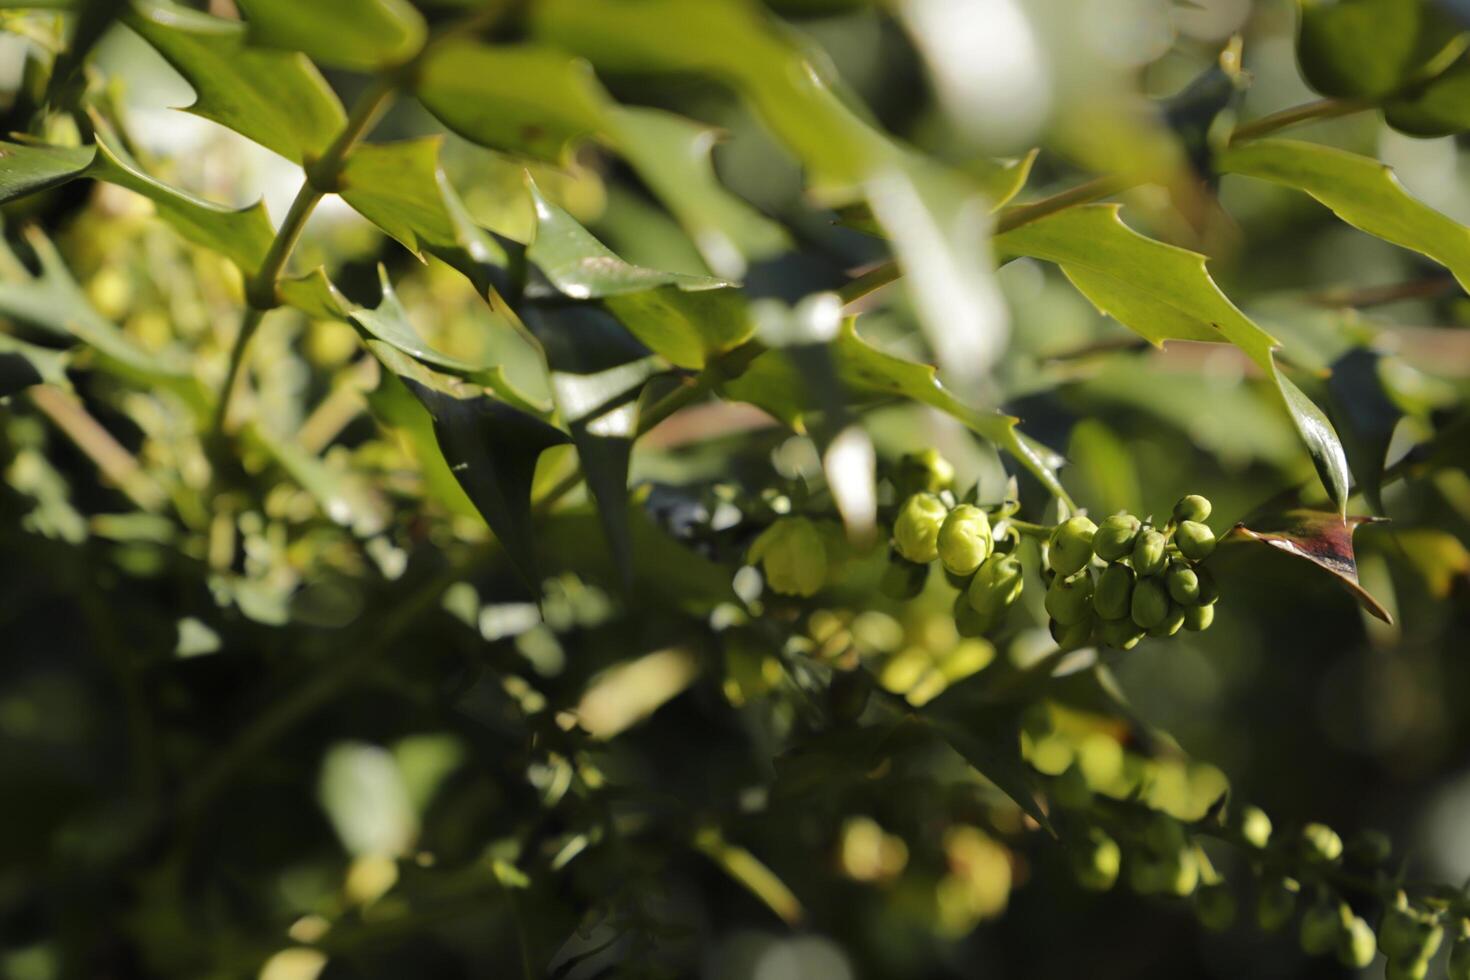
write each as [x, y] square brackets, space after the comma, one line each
[851, 467]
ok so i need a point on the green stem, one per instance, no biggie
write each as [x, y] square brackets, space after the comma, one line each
[1307, 112]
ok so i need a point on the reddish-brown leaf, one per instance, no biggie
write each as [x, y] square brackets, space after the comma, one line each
[1320, 537]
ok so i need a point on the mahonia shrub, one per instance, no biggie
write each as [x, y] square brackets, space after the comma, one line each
[822, 488]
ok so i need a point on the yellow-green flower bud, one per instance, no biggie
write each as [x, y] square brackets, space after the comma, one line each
[964, 539]
[916, 530]
[1072, 637]
[970, 622]
[1355, 944]
[1406, 970]
[1196, 540]
[1276, 904]
[1164, 834]
[1149, 550]
[1070, 790]
[1150, 603]
[1320, 843]
[997, 584]
[1172, 623]
[1320, 926]
[1120, 634]
[792, 555]
[1369, 848]
[1097, 861]
[925, 471]
[1174, 874]
[1183, 583]
[1114, 537]
[1113, 592]
[1198, 618]
[1406, 934]
[1070, 548]
[1215, 907]
[1192, 508]
[903, 579]
[1255, 826]
[1069, 600]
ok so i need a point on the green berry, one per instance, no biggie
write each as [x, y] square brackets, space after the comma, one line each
[1164, 834]
[793, 556]
[1070, 790]
[1120, 634]
[1320, 843]
[1172, 623]
[964, 539]
[1113, 592]
[1355, 944]
[1096, 862]
[1405, 934]
[1182, 583]
[1192, 508]
[1215, 907]
[1196, 540]
[1406, 970]
[1114, 537]
[1320, 927]
[1369, 848]
[916, 531]
[1276, 903]
[925, 471]
[1074, 636]
[997, 584]
[970, 622]
[1150, 603]
[1174, 874]
[1255, 827]
[1071, 546]
[1069, 600]
[1198, 618]
[1148, 552]
[903, 579]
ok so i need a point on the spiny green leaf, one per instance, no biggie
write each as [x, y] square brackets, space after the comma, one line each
[517, 98]
[26, 168]
[1372, 49]
[1359, 190]
[241, 235]
[314, 295]
[1323, 539]
[401, 188]
[1162, 292]
[363, 35]
[393, 405]
[773, 383]
[23, 365]
[278, 99]
[672, 155]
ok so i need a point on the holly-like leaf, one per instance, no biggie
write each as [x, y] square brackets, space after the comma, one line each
[987, 733]
[1360, 191]
[361, 35]
[241, 235]
[1165, 293]
[1322, 538]
[517, 98]
[401, 188]
[672, 155]
[23, 365]
[683, 318]
[1373, 49]
[26, 168]
[276, 98]
[1369, 416]
[396, 408]
[773, 383]
[1440, 108]
[314, 295]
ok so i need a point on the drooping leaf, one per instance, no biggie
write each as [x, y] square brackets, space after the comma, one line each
[241, 235]
[1359, 190]
[517, 98]
[492, 449]
[597, 373]
[672, 155]
[23, 365]
[1372, 49]
[1322, 538]
[276, 98]
[1163, 293]
[683, 318]
[773, 383]
[362, 35]
[26, 168]
[389, 322]
[401, 188]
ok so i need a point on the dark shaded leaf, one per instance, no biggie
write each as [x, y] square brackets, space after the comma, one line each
[26, 168]
[1372, 49]
[988, 735]
[1322, 538]
[1368, 414]
[23, 365]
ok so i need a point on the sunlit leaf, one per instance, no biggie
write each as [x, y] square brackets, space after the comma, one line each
[1438, 556]
[1361, 191]
[401, 188]
[1321, 538]
[26, 168]
[276, 98]
[365, 35]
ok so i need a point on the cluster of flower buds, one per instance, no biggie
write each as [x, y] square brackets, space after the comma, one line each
[1125, 579]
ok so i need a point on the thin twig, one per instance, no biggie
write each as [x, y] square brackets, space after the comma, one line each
[118, 466]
